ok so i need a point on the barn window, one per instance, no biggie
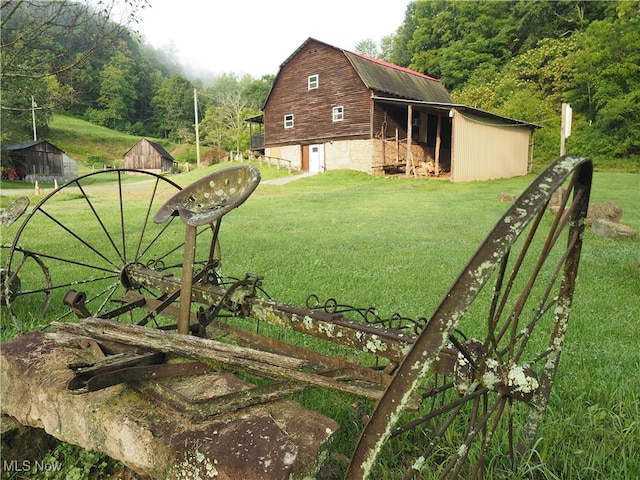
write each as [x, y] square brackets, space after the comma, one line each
[288, 120]
[338, 113]
[313, 81]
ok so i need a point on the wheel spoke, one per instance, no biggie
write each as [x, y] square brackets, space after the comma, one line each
[77, 237]
[99, 219]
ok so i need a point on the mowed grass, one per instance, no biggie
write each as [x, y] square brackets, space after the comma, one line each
[398, 244]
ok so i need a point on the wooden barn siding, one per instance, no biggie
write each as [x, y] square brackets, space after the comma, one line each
[482, 151]
[312, 109]
[44, 159]
[143, 162]
[143, 156]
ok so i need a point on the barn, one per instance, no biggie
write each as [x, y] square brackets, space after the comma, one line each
[333, 109]
[149, 156]
[41, 161]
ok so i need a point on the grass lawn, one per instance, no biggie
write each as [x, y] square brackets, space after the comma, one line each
[398, 244]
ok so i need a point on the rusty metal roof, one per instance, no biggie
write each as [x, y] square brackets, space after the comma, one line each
[398, 81]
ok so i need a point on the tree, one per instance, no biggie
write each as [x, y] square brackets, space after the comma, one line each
[174, 107]
[118, 92]
[44, 41]
[368, 47]
[232, 102]
[606, 81]
[450, 39]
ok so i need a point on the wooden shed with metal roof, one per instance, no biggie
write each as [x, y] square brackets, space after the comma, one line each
[332, 109]
[41, 161]
[149, 156]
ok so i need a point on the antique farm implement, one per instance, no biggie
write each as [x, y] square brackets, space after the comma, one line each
[450, 394]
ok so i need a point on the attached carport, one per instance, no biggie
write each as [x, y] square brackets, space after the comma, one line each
[466, 143]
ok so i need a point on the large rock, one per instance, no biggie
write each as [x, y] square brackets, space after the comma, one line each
[608, 229]
[611, 211]
[278, 440]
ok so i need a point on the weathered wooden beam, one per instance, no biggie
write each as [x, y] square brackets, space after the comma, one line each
[246, 338]
[265, 364]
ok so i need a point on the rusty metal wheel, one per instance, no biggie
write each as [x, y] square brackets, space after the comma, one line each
[86, 233]
[483, 367]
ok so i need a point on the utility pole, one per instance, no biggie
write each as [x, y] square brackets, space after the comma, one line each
[33, 118]
[565, 126]
[195, 108]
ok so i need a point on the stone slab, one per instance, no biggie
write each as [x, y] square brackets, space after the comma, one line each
[609, 229]
[278, 440]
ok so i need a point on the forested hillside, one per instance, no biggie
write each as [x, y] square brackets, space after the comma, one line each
[524, 58]
[518, 58]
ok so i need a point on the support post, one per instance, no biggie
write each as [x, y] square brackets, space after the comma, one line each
[409, 135]
[195, 108]
[187, 279]
[565, 126]
[33, 118]
[438, 144]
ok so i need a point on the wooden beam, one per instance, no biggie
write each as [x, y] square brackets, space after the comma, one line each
[261, 363]
[409, 135]
[438, 144]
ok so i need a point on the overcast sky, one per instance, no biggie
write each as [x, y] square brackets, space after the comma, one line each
[256, 36]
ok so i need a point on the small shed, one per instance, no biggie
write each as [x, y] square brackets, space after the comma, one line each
[41, 161]
[149, 156]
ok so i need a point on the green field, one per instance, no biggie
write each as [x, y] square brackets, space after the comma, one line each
[398, 244]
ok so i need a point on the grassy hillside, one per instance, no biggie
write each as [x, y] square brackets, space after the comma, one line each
[95, 145]
[89, 143]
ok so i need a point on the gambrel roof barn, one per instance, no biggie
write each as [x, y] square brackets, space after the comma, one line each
[333, 109]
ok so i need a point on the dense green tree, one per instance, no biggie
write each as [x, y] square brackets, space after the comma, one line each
[606, 81]
[43, 43]
[118, 92]
[450, 39]
[174, 107]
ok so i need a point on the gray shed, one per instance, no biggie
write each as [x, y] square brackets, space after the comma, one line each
[41, 161]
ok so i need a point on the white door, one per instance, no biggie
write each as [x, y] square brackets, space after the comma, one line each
[316, 158]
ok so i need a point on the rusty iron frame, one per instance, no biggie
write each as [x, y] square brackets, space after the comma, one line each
[412, 348]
